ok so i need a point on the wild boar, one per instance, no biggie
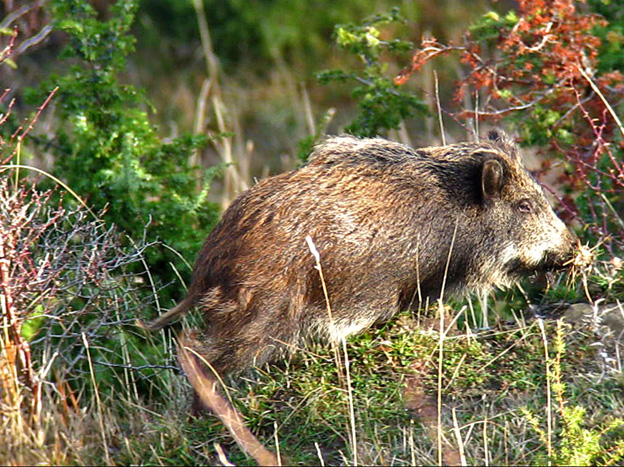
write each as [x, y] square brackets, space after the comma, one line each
[394, 227]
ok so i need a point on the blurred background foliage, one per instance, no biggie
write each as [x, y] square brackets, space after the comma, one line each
[151, 106]
[268, 51]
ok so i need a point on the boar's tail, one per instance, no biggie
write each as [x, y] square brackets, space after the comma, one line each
[172, 315]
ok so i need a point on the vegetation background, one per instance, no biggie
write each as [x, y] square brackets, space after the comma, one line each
[127, 127]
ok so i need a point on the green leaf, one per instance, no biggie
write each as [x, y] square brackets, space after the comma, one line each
[31, 325]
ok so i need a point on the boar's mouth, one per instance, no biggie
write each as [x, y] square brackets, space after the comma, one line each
[551, 262]
[555, 262]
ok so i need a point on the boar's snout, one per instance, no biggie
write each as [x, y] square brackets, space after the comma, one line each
[562, 257]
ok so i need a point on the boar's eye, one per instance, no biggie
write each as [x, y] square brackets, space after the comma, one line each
[524, 206]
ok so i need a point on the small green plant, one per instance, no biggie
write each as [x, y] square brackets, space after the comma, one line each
[382, 104]
[569, 438]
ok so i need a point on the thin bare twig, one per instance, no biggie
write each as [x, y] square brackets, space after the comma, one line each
[602, 98]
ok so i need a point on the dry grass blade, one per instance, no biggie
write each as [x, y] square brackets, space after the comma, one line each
[97, 400]
[440, 444]
[439, 108]
[343, 341]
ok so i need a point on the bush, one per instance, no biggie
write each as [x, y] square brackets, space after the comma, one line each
[66, 293]
[107, 151]
[552, 81]
[382, 105]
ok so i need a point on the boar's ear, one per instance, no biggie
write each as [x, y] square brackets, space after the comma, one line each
[492, 179]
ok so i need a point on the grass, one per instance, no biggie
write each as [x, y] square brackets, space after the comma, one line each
[494, 395]
[303, 405]
[306, 402]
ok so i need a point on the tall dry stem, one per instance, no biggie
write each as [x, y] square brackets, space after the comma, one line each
[234, 181]
[343, 342]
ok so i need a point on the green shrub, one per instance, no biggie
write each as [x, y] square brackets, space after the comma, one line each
[381, 103]
[106, 149]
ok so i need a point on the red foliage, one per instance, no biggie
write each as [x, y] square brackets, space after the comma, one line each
[538, 56]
